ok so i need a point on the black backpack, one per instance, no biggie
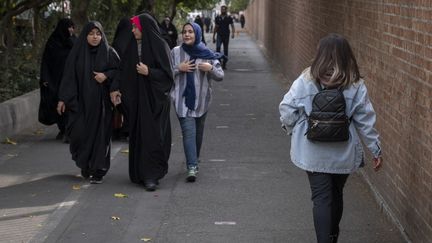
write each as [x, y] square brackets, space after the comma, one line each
[328, 121]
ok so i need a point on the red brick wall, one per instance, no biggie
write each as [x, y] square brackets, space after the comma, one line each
[392, 40]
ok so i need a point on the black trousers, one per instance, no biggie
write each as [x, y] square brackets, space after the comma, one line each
[223, 40]
[327, 197]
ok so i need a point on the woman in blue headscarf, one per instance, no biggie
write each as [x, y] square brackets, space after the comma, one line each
[194, 67]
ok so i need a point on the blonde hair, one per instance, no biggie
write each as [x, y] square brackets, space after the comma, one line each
[335, 54]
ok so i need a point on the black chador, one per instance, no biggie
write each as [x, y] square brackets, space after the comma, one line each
[88, 102]
[148, 103]
[56, 50]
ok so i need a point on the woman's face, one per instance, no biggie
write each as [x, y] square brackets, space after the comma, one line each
[137, 33]
[94, 37]
[188, 35]
[71, 30]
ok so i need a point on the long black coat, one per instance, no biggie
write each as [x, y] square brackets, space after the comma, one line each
[88, 102]
[148, 103]
[56, 50]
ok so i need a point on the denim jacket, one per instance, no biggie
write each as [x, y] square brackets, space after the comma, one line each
[329, 157]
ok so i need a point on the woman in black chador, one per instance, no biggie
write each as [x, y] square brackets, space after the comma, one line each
[148, 80]
[57, 49]
[84, 93]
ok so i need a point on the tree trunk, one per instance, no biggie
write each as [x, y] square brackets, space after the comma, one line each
[79, 13]
[37, 37]
[173, 8]
[146, 5]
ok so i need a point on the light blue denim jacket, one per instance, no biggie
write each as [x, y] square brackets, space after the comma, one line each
[329, 157]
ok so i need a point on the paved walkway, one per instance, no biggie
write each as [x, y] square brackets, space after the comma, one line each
[247, 190]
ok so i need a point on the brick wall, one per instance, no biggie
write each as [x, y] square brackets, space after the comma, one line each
[392, 40]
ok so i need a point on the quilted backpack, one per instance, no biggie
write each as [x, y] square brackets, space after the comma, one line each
[328, 121]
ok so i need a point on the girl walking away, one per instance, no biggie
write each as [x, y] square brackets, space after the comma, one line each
[57, 49]
[329, 162]
[84, 93]
[194, 68]
[147, 82]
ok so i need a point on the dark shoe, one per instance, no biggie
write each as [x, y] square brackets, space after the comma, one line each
[96, 180]
[150, 185]
[60, 136]
[85, 174]
[66, 139]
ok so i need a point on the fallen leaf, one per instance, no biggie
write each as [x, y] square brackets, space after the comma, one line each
[120, 195]
[76, 187]
[38, 132]
[125, 151]
[146, 239]
[115, 218]
[9, 141]
[12, 155]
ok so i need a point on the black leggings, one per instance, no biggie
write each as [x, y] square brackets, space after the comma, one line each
[327, 197]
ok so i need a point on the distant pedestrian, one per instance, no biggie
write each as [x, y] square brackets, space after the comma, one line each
[57, 49]
[194, 68]
[222, 29]
[148, 79]
[207, 23]
[242, 21]
[84, 93]
[171, 31]
[119, 88]
[328, 164]
[200, 22]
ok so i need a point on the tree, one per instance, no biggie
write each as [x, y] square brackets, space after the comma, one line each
[238, 5]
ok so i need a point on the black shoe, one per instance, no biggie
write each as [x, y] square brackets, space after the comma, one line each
[150, 185]
[66, 139]
[85, 174]
[60, 136]
[96, 180]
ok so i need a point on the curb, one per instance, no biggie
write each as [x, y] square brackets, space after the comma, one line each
[19, 113]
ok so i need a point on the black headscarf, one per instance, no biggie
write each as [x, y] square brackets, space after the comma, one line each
[123, 36]
[61, 33]
[80, 66]
[56, 51]
[153, 44]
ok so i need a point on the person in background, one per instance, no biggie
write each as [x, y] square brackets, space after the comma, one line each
[194, 68]
[170, 30]
[119, 88]
[328, 164]
[200, 22]
[222, 29]
[56, 50]
[242, 21]
[207, 23]
[84, 93]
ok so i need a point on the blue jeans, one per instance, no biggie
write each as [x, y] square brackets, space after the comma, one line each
[192, 131]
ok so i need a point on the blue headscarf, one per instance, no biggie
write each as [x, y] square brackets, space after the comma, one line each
[195, 51]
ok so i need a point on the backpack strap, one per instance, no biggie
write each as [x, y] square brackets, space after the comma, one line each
[318, 85]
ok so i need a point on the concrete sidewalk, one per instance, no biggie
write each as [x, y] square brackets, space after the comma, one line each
[247, 189]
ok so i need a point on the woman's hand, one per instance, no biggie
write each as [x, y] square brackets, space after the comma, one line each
[142, 69]
[205, 66]
[187, 66]
[100, 77]
[61, 107]
[377, 163]
[115, 97]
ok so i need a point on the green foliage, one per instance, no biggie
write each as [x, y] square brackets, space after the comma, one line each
[238, 5]
[19, 70]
